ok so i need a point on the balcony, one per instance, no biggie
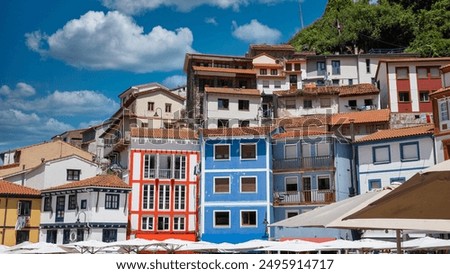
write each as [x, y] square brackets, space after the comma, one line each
[310, 197]
[318, 162]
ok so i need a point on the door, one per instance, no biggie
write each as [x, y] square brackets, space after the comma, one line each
[306, 186]
[60, 206]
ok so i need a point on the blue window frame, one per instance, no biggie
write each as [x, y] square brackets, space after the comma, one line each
[374, 184]
[381, 154]
[409, 151]
[397, 180]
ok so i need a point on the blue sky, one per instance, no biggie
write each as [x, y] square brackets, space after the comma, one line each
[63, 62]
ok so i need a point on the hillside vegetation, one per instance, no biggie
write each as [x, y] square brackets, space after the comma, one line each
[359, 26]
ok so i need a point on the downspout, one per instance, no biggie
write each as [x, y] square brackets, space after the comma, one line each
[352, 190]
[4, 220]
[433, 140]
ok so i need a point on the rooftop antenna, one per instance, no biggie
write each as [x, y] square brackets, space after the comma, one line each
[301, 13]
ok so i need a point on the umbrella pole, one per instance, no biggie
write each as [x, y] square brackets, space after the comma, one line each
[399, 241]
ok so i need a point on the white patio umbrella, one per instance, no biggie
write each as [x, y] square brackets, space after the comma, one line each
[426, 243]
[135, 245]
[90, 246]
[292, 246]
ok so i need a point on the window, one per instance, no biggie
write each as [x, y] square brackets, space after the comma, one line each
[24, 208]
[307, 103]
[72, 202]
[325, 102]
[409, 151]
[434, 72]
[288, 67]
[83, 204]
[222, 103]
[423, 96]
[402, 73]
[147, 223]
[291, 183]
[151, 106]
[367, 65]
[368, 102]
[443, 109]
[336, 67]
[109, 235]
[244, 104]
[422, 73]
[397, 180]
[273, 72]
[180, 167]
[321, 69]
[266, 84]
[248, 218]
[221, 219]
[403, 96]
[352, 104]
[306, 150]
[48, 203]
[22, 236]
[248, 151]
[244, 123]
[73, 174]
[112, 201]
[223, 123]
[323, 149]
[148, 197]
[180, 197]
[248, 184]
[221, 152]
[51, 236]
[149, 166]
[163, 223]
[381, 155]
[263, 71]
[374, 184]
[66, 236]
[323, 183]
[291, 213]
[178, 223]
[350, 82]
[297, 67]
[290, 104]
[168, 108]
[277, 84]
[164, 197]
[293, 79]
[290, 151]
[335, 82]
[221, 185]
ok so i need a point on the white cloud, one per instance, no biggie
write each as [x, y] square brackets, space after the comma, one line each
[211, 20]
[21, 90]
[255, 32]
[114, 41]
[90, 123]
[174, 81]
[140, 6]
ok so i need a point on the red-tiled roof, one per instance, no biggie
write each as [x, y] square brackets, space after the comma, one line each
[361, 89]
[301, 133]
[445, 68]
[303, 121]
[164, 133]
[361, 117]
[235, 91]
[229, 70]
[8, 188]
[441, 90]
[272, 47]
[308, 91]
[397, 133]
[267, 65]
[416, 59]
[106, 181]
[236, 131]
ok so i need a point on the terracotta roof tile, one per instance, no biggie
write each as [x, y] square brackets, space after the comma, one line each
[361, 89]
[235, 91]
[445, 68]
[397, 133]
[303, 121]
[237, 131]
[107, 181]
[309, 91]
[164, 133]
[301, 133]
[7, 188]
[441, 90]
[361, 117]
[229, 70]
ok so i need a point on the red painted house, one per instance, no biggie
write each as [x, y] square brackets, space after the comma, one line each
[163, 176]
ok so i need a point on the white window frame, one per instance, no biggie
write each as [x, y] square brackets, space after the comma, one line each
[295, 149]
[222, 177]
[150, 204]
[179, 197]
[221, 226]
[286, 181]
[286, 213]
[248, 144]
[148, 223]
[229, 152]
[241, 219]
[256, 184]
[166, 218]
[177, 221]
[166, 197]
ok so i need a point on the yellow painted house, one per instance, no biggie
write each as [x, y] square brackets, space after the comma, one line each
[20, 209]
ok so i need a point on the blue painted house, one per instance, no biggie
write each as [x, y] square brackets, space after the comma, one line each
[236, 184]
[310, 169]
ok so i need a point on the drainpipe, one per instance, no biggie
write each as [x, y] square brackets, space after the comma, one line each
[352, 190]
[4, 220]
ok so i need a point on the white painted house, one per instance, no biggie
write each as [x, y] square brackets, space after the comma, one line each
[393, 156]
[231, 107]
[90, 209]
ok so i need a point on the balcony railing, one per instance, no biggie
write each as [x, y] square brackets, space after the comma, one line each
[304, 197]
[304, 163]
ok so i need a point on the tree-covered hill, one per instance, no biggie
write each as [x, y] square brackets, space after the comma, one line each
[359, 26]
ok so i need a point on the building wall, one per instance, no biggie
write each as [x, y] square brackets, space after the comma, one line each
[360, 103]
[394, 170]
[299, 110]
[8, 220]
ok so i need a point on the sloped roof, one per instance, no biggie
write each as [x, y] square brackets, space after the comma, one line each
[355, 90]
[8, 188]
[301, 133]
[441, 90]
[105, 181]
[397, 133]
[309, 91]
[272, 47]
[237, 131]
[361, 117]
[303, 121]
[164, 133]
[235, 91]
